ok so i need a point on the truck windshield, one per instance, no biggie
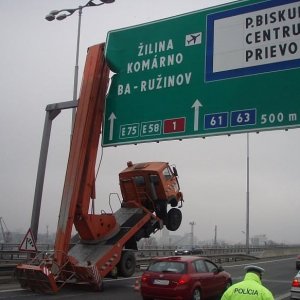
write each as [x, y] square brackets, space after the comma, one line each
[167, 173]
[139, 180]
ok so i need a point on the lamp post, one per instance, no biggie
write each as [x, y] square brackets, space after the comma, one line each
[61, 15]
[247, 199]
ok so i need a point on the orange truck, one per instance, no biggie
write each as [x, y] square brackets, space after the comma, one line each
[154, 185]
[106, 241]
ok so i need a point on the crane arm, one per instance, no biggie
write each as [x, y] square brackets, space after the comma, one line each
[80, 174]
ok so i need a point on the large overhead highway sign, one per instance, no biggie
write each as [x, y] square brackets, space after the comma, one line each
[229, 69]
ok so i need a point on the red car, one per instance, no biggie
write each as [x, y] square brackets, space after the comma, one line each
[183, 277]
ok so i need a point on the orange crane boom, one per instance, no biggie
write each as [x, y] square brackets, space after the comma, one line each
[80, 175]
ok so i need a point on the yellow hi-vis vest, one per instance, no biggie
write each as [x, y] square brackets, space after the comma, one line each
[249, 288]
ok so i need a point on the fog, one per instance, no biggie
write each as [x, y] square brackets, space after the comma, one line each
[37, 61]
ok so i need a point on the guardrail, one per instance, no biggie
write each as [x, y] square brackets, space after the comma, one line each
[7, 269]
[12, 255]
[142, 263]
[9, 258]
[257, 251]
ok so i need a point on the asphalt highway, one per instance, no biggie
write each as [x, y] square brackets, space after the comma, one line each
[278, 277]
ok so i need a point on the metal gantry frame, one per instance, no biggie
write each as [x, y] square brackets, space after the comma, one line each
[52, 111]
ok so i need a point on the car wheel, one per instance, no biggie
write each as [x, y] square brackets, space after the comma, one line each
[174, 219]
[126, 266]
[196, 294]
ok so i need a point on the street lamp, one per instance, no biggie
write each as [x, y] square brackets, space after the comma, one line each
[61, 15]
[247, 198]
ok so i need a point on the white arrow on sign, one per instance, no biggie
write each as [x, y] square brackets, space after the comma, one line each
[196, 106]
[111, 118]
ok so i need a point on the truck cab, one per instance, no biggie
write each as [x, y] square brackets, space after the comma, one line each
[155, 186]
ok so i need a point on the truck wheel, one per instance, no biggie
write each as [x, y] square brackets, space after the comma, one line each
[126, 266]
[174, 219]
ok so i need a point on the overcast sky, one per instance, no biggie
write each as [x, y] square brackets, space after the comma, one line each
[37, 61]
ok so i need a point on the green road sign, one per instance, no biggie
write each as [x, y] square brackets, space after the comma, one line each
[233, 68]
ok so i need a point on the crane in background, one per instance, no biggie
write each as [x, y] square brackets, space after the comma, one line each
[5, 232]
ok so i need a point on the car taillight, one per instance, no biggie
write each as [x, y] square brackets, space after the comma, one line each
[295, 283]
[184, 279]
[144, 278]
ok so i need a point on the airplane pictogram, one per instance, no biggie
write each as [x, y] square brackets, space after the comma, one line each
[193, 39]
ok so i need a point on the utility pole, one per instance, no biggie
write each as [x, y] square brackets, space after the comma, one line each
[216, 231]
[47, 234]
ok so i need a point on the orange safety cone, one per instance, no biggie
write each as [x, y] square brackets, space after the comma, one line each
[137, 285]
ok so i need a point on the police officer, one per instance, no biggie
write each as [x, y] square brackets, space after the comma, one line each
[250, 288]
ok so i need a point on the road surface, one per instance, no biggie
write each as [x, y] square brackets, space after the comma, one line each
[278, 277]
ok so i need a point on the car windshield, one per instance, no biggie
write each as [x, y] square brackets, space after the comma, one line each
[184, 247]
[168, 266]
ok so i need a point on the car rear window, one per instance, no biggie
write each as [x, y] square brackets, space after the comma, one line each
[168, 266]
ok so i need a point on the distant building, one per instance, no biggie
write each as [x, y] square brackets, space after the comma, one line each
[259, 240]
